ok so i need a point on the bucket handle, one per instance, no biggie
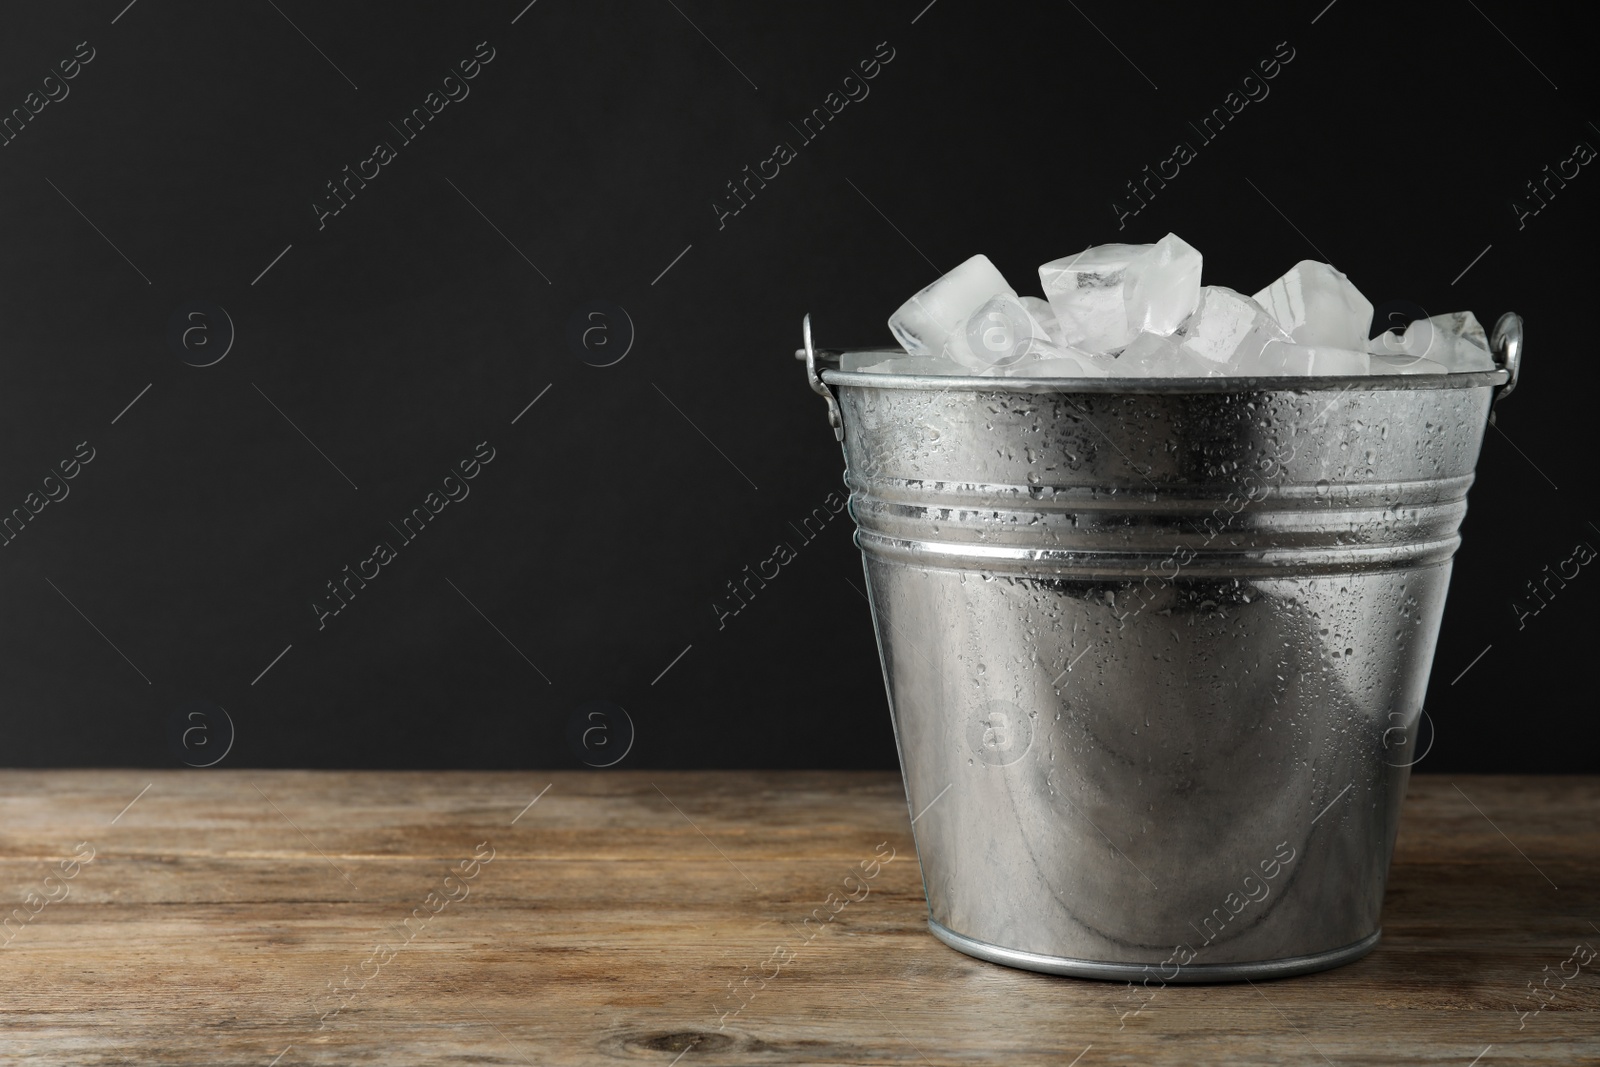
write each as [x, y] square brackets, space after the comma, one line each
[814, 356]
[1505, 344]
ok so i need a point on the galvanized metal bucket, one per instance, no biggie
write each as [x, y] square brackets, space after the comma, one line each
[1156, 649]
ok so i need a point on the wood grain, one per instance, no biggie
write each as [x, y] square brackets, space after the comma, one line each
[220, 908]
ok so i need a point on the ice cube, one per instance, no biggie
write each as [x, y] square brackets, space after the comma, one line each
[1389, 343]
[1064, 363]
[876, 363]
[1153, 356]
[1460, 356]
[860, 361]
[1284, 357]
[909, 326]
[1161, 287]
[1465, 325]
[1045, 315]
[928, 322]
[1039, 308]
[1319, 307]
[1227, 326]
[1455, 341]
[1085, 291]
[1387, 363]
[1000, 333]
[1104, 296]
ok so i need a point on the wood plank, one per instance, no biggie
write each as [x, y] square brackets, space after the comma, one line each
[617, 910]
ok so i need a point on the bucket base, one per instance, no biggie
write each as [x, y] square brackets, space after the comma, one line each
[1120, 972]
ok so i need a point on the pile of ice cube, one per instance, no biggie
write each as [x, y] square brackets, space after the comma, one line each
[1133, 311]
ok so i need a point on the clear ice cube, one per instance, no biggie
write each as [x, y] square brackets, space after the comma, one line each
[881, 363]
[1455, 341]
[931, 321]
[1389, 343]
[1085, 291]
[1000, 333]
[1388, 363]
[1465, 325]
[1153, 356]
[1104, 296]
[1319, 307]
[1061, 363]
[1227, 326]
[1284, 357]
[1045, 315]
[1161, 287]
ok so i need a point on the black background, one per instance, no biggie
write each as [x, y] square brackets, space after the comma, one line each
[408, 330]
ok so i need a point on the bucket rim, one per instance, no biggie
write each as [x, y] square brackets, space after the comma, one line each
[1288, 383]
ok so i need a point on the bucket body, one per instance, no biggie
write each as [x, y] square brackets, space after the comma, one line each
[1156, 652]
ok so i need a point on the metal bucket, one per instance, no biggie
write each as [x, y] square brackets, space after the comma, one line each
[1156, 649]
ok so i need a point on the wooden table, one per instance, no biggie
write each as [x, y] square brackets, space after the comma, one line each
[282, 917]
